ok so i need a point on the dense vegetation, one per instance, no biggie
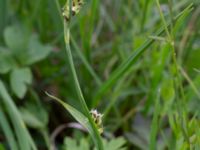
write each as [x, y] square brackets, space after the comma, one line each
[116, 75]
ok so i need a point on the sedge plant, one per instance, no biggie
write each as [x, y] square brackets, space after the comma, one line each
[71, 8]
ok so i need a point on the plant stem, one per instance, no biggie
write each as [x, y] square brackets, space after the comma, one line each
[177, 78]
[77, 86]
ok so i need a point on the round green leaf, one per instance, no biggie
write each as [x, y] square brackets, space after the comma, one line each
[19, 79]
[15, 38]
[6, 61]
[35, 52]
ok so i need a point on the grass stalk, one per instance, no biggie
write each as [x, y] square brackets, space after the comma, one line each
[85, 62]
[189, 80]
[81, 99]
[122, 69]
[155, 123]
[4, 123]
[177, 79]
[24, 139]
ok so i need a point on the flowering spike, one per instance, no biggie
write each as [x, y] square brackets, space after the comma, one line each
[97, 117]
[75, 8]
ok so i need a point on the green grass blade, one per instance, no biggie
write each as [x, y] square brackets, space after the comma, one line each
[94, 131]
[85, 62]
[81, 118]
[7, 130]
[181, 104]
[155, 123]
[126, 65]
[97, 138]
[24, 139]
[191, 83]
[197, 70]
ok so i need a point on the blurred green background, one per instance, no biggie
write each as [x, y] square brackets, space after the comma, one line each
[152, 104]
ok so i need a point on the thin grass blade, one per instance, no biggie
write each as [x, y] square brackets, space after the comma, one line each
[81, 118]
[126, 65]
[24, 139]
[4, 124]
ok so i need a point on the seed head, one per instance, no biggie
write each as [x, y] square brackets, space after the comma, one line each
[75, 8]
[97, 117]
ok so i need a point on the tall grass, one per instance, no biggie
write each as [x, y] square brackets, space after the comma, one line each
[126, 58]
[93, 130]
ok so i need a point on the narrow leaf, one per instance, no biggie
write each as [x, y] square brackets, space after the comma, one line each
[126, 65]
[82, 119]
[5, 126]
[24, 139]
